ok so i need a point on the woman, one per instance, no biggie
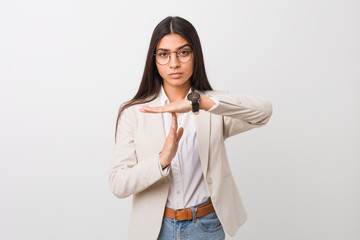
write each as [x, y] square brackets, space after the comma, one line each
[180, 177]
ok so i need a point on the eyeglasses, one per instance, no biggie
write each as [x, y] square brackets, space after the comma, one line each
[163, 57]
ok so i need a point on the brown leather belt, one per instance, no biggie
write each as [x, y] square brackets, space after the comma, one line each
[186, 213]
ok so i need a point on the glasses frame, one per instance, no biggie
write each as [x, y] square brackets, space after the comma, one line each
[177, 56]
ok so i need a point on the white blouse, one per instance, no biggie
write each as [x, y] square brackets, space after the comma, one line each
[187, 185]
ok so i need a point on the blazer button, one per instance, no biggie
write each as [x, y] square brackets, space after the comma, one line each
[209, 181]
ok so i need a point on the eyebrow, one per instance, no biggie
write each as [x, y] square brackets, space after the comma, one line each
[185, 45]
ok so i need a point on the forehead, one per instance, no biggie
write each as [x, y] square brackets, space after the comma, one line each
[171, 42]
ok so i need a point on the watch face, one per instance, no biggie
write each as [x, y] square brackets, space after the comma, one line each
[193, 96]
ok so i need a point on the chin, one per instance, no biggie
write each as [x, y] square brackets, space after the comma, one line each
[177, 82]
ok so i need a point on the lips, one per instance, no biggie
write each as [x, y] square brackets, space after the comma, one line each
[175, 75]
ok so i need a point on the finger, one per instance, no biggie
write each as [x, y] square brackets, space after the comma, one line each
[172, 132]
[173, 122]
[147, 109]
[179, 134]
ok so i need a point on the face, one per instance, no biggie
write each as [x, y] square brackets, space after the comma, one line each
[175, 73]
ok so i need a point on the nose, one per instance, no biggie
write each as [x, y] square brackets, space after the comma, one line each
[174, 62]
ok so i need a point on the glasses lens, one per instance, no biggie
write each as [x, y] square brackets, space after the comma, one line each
[184, 55]
[162, 57]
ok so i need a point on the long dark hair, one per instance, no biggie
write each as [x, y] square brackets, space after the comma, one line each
[151, 80]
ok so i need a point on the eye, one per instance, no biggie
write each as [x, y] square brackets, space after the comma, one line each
[184, 52]
[162, 54]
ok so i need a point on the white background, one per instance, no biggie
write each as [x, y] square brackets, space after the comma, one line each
[66, 66]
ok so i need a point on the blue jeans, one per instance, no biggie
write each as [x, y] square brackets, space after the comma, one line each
[206, 227]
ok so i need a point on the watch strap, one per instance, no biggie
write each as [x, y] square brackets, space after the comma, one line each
[195, 107]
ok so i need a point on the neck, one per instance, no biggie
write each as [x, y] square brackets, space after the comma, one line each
[176, 93]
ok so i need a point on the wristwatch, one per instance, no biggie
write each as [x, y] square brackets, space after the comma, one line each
[194, 99]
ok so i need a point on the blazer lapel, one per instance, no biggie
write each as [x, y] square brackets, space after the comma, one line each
[203, 136]
[156, 124]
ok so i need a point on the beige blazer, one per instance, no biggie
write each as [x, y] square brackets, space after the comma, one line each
[134, 169]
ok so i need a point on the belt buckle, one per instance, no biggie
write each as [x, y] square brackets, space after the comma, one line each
[180, 210]
[175, 214]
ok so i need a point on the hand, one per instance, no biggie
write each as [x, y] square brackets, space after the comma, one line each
[171, 143]
[181, 106]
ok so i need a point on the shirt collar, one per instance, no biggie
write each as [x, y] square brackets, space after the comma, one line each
[164, 98]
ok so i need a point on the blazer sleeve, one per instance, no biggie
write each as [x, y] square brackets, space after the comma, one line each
[127, 175]
[240, 112]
